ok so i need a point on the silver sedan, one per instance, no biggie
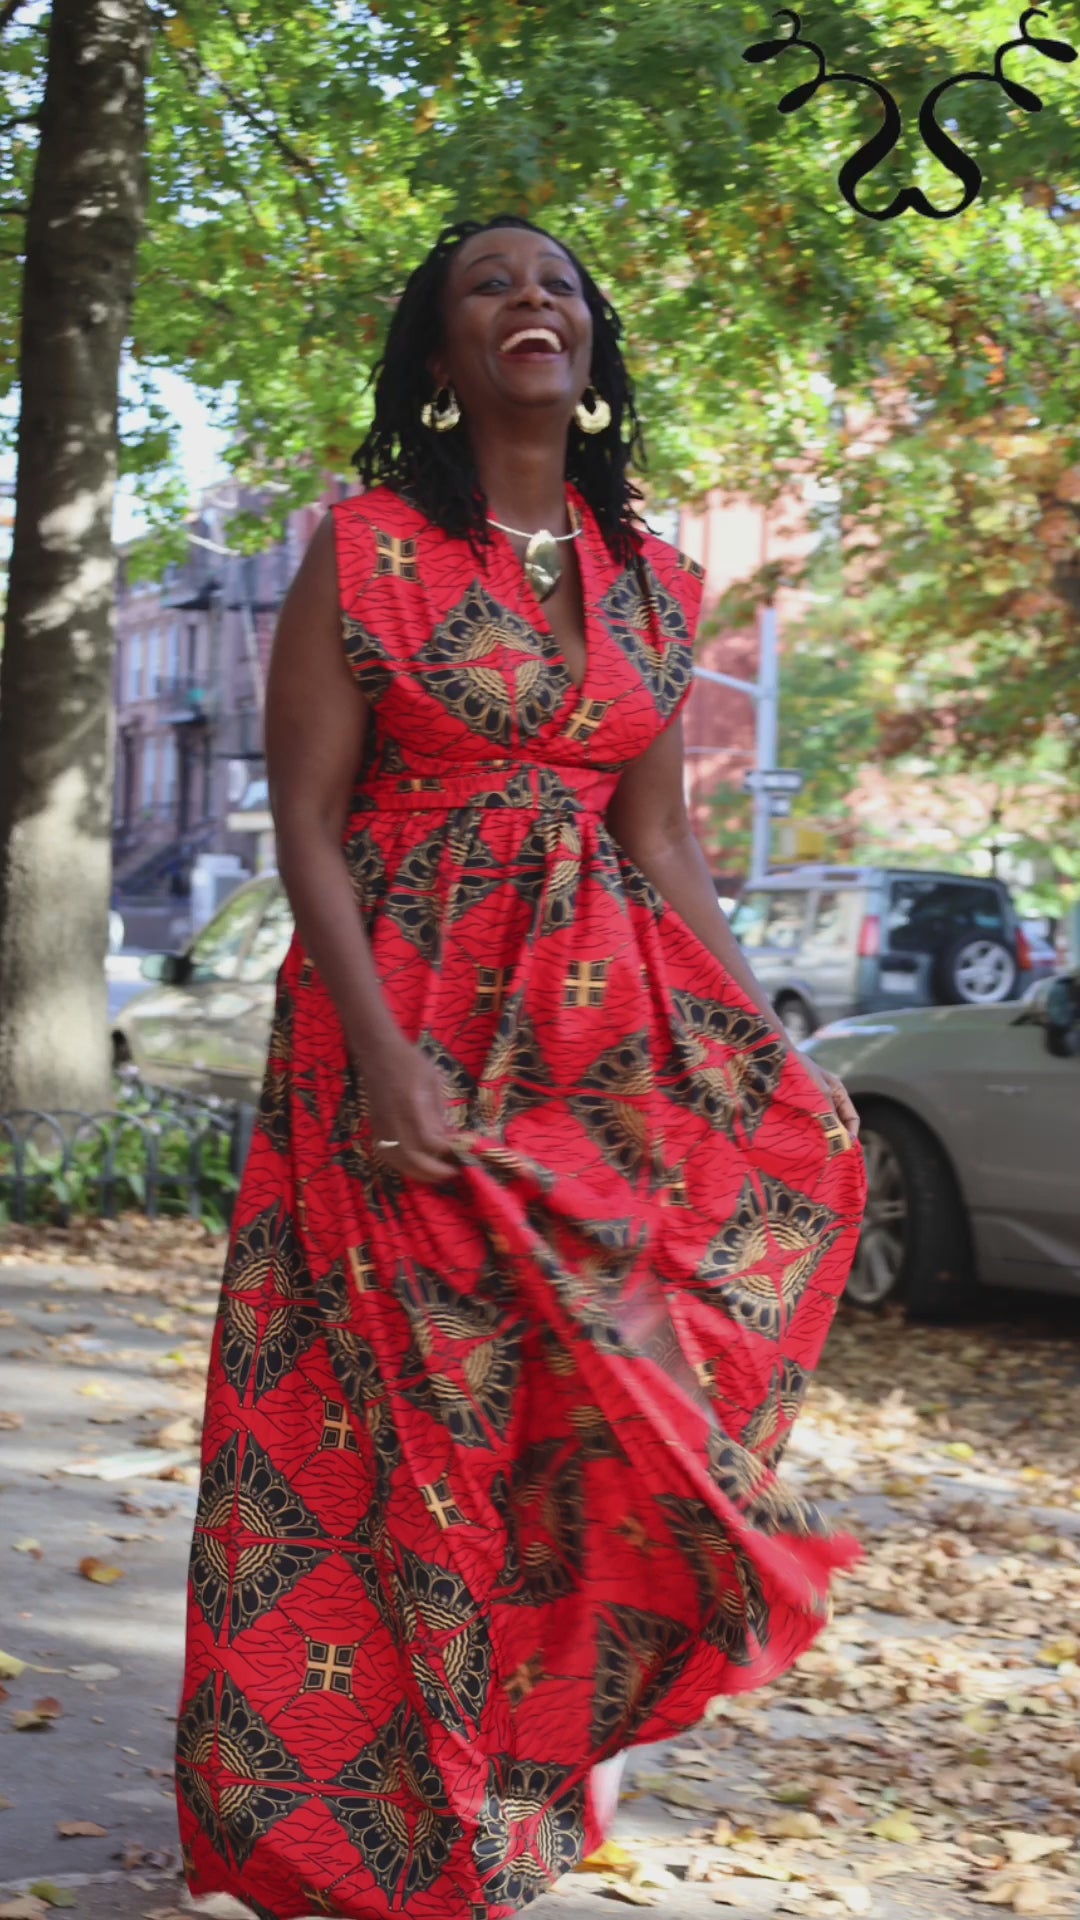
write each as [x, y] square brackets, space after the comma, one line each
[971, 1129]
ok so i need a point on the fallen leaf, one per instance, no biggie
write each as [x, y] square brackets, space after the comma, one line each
[650, 1873]
[610, 1858]
[852, 1894]
[49, 1708]
[23, 1907]
[183, 1432]
[95, 1670]
[53, 1895]
[796, 1826]
[793, 1793]
[28, 1546]
[80, 1830]
[1028, 1895]
[1057, 1653]
[96, 1570]
[897, 1828]
[10, 1667]
[10, 1422]
[27, 1721]
[677, 1793]
[1024, 1849]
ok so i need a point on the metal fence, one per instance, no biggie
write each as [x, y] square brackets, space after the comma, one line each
[157, 1152]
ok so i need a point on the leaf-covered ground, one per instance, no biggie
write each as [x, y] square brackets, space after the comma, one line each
[922, 1761]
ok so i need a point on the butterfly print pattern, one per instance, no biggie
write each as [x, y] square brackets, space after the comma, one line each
[455, 1434]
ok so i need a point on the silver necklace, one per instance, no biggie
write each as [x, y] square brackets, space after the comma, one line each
[543, 567]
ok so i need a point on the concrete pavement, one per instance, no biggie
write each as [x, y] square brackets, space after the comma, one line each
[98, 1360]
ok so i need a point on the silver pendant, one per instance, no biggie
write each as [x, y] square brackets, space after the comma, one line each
[543, 568]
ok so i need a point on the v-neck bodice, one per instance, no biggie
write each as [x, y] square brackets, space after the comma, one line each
[463, 670]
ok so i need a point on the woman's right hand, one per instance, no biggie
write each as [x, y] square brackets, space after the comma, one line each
[406, 1103]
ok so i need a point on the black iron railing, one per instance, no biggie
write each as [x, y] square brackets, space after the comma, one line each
[154, 1152]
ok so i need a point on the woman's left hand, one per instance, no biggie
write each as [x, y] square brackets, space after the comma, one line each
[838, 1095]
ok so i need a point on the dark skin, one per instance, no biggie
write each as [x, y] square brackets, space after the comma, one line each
[519, 407]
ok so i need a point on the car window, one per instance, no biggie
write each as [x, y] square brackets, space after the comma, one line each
[786, 920]
[749, 917]
[270, 941]
[928, 910]
[216, 951]
[836, 923]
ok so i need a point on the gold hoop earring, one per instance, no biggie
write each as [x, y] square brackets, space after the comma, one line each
[592, 412]
[442, 414]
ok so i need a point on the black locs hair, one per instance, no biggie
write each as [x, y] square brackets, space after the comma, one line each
[437, 470]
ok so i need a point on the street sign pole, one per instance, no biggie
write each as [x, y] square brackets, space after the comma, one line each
[768, 742]
[765, 693]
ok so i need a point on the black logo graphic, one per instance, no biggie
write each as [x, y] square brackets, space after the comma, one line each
[941, 145]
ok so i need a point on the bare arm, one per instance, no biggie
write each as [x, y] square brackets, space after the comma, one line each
[316, 723]
[648, 819]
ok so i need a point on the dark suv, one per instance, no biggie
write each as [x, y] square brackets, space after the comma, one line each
[830, 941]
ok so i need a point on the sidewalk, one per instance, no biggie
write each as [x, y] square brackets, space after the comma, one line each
[883, 1780]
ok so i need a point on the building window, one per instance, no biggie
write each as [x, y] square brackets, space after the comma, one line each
[207, 781]
[149, 771]
[192, 648]
[135, 667]
[172, 668]
[168, 787]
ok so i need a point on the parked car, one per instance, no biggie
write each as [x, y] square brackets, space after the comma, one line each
[971, 1131]
[1043, 960]
[204, 1025]
[833, 941]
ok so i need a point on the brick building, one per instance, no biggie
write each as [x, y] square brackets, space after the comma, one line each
[191, 658]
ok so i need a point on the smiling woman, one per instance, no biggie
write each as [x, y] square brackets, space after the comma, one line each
[544, 1222]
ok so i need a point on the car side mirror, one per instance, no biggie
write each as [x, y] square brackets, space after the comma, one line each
[171, 969]
[1063, 1019]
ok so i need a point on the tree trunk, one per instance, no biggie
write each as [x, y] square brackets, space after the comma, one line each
[56, 710]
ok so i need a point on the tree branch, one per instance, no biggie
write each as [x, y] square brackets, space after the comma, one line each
[270, 131]
[8, 11]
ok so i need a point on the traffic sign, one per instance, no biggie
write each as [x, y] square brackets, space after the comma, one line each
[773, 780]
[780, 805]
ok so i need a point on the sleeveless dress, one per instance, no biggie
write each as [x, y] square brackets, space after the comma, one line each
[488, 1492]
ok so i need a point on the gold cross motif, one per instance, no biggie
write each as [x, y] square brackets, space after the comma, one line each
[524, 1679]
[675, 1194]
[586, 983]
[320, 1902]
[329, 1669]
[441, 1504]
[586, 718]
[706, 1373]
[490, 988]
[421, 783]
[338, 1434]
[395, 557]
[362, 1270]
[633, 1531]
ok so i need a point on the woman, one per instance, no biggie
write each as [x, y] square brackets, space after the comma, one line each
[543, 1224]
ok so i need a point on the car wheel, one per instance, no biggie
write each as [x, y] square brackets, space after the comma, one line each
[914, 1246]
[977, 972]
[795, 1015]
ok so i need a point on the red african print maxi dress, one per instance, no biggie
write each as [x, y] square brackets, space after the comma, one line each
[488, 1490]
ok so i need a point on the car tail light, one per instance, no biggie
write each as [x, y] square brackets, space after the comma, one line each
[1023, 951]
[870, 937]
